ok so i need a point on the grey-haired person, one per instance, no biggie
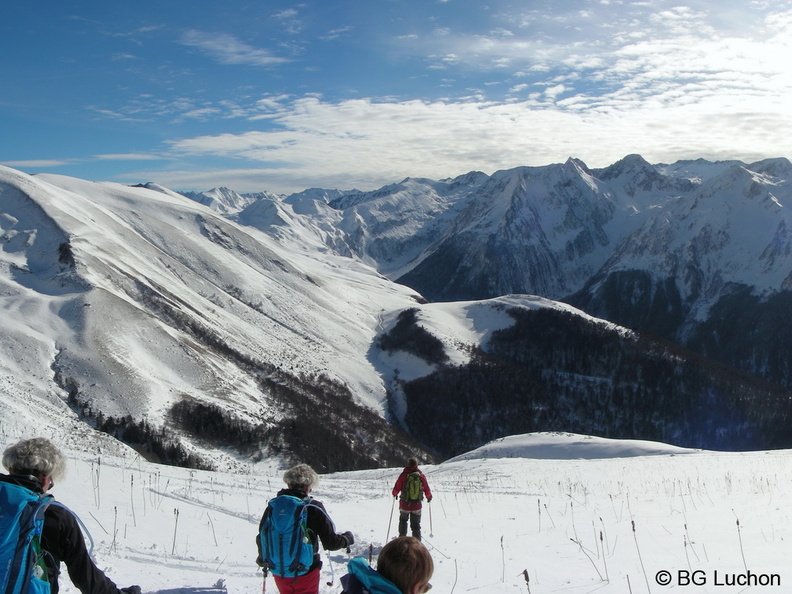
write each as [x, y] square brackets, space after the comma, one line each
[300, 481]
[36, 464]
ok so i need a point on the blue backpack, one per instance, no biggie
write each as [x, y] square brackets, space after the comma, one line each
[22, 568]
[286, 546]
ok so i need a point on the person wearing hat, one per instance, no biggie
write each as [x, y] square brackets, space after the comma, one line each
[411, 487]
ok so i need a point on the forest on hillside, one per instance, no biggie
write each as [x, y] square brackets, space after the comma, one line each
[554, 371]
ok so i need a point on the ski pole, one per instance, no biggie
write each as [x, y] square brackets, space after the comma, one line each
[431, 528]
[332, 570]
[393, 505]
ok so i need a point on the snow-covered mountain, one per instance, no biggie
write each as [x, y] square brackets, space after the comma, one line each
[710, 268]
[144, 306]
[209, 336]
[224, 200]
[202, 341]
[657, 248]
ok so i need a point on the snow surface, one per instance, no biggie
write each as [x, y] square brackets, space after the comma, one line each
[602, 516]
[560, 507]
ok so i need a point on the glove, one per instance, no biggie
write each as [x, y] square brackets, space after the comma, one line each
[349, 537]
[428, 500]
[131, 590]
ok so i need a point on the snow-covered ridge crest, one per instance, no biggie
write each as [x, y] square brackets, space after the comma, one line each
[548, 230]
[569, 446]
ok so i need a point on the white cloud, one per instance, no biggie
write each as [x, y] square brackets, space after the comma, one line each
[554, 91]
[38, 163]
[227, 49]
[128, 157]
[660, 78]
[366, 144]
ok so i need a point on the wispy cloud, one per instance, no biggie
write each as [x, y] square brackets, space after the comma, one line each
[336, 33]
[149, 108]
[227, 49]
[39, 163]
[290, 21]
[359, 142]
[128, 157]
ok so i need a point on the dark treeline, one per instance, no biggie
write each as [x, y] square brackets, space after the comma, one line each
[157, 444]
[745, 330]
[554, 371]
[407, 335]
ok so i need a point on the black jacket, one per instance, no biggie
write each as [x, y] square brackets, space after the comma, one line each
[63, 541]
[320, 527]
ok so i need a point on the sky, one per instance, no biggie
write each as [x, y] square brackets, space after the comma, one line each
[284, 96]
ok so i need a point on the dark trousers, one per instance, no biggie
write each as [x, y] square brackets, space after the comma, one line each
[414, 517]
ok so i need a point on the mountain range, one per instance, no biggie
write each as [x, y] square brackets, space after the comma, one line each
[664, 249]
[350, 328]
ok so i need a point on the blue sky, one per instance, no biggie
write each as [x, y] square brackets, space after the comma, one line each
[283, 96]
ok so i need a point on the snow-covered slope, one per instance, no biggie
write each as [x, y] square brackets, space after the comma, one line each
[585, 523]
[134, 298]
[127, 243]
[569, 446]
[130, 302]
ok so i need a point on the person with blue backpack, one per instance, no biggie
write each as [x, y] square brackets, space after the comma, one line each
[404, 566]
[410, 489]
[37, 533]
[289, 533]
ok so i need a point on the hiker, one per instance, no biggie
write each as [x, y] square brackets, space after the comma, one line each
[410, 488]
[34, 464]
[300, 578]
[404, 566]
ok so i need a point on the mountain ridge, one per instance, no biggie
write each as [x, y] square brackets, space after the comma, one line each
[681, 237]
[150, 310]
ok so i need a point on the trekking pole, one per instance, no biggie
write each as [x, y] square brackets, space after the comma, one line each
[431, 528]
[332, 570]
[393, 505]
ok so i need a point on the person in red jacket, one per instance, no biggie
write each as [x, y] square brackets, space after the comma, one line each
[411, 487]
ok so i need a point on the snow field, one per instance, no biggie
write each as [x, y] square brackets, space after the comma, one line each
[567, 522]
